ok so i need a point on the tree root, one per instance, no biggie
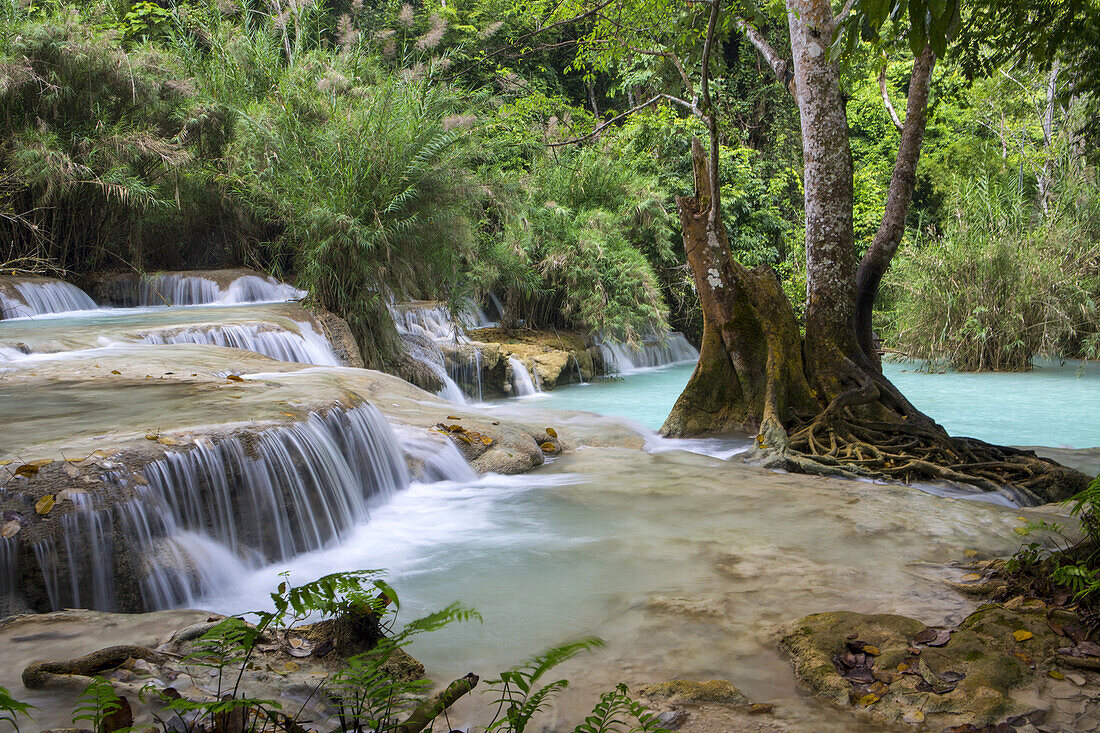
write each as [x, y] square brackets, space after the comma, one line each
[79, 672]
[837, 443]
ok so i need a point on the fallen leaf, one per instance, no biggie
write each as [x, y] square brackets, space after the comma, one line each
[1022, 635]
[913, 717]
[869, 699]
[1086, 649]
[26, 470]
[5, 462]
[871, 649]
[44, 504]
[71, 470]
[933, 636]
[233, 378]
[486, 440]
[165, 440]
[1022, 531]
[551, 432]
[548, 447]
[970, 578]
[41, 462]
[464, 438]
[150, 436]
[291, 666]
[10, 529]
[1055, 674]
[115, 371]
[453, 417]
[1025, 658]
[456, 428]
[970, 553]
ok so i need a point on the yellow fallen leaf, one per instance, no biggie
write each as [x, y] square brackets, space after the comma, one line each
[548, 447]
[41, 462]
[5, 462]
[551, 432]
[150, 436]
[44, 505]
[453, 417]
[10, 529]
[871, 649]
[914, 716]
[115, 371]
[26, 470]
[970, 553]
[869, 699]
[1022, 635]
[288, 414]
[233, 378]
[165, 440]
[1023, 531]
[903, 666]
[486, 440]
[1055, 674]
[291, 666]
[970, 577]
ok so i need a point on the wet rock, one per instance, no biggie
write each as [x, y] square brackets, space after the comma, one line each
[973, 679]
[687, 691]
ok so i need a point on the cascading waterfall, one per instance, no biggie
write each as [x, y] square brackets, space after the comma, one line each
[671, 348]
[200, 518]
[426, 351]
[464, 369]
[183, 289]
[421, 328]
[306, 347]
[47, 296]
[522, 381]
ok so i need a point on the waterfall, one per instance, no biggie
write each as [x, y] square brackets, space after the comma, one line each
[306, 347]
[174, 288]
[35, 298]
[421, 328]
[671, 348]
[423, 349]
[199, 519]
[464, 369]
[522, 381]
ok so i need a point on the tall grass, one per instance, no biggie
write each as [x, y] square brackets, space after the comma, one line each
[1000, 285]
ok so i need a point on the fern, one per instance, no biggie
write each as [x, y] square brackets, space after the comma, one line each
[616, 712]
[518, 695]
[97, 701]
[11, 709]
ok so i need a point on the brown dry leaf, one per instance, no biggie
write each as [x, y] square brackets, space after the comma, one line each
[26, 470]
[551, 432]
[71, 470]
[233, 378]
[453, 417]
[914, 717]
[165, 440]
[456, 428]
[115, 371]
[294, 641]
[1025, 658]
[10, 529]
[486, 440]
[464, 438]
[903, 666]
[1022, 635]
[41, 462]
[44, 504]
[871, 649]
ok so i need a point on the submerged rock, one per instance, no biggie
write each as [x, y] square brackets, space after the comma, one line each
[1000, 664]
[687, 691]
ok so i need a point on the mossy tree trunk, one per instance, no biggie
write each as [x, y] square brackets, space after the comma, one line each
[819, 403]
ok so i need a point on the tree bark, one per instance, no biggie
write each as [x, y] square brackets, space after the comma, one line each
[902, 183]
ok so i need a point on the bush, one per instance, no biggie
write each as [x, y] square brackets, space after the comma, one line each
[999, 285]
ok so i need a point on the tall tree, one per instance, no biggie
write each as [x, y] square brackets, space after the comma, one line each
[819, 402]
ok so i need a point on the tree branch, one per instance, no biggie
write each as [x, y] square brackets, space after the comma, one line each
[780, 66]
[691, 106]
[886, 99]
[430, 709]
[840, 17]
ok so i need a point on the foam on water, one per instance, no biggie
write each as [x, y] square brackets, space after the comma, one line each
[659, 351]
[305, 347]
[179, 289]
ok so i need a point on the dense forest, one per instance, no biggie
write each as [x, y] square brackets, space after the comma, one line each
[371, 152]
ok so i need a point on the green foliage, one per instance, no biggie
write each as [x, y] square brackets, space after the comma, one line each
[518, 693]
[998, 285]
[616, 712]
[145, 19]
[96, 702]
[11, 709]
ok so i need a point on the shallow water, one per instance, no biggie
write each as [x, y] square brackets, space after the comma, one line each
[1051, 405]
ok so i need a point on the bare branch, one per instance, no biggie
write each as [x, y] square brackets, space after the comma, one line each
[843, 13]
[780, 66]
[691, 106]
[886, 99]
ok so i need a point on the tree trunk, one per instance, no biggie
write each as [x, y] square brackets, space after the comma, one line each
[819, 404]
[902, 183]
[749, 376]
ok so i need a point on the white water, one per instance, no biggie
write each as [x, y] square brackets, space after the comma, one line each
[179, 289]
[40, 298]
[422, 327]
[660, 351]
[306, 347]
[203, 518]
[523, 384]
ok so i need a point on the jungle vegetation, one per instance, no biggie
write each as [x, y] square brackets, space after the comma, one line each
[389, 150]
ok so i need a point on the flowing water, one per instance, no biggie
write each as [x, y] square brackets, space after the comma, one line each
[683, 560]
[43, 296]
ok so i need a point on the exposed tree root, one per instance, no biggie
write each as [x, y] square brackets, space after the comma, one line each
[855, 437]
[79, 672]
